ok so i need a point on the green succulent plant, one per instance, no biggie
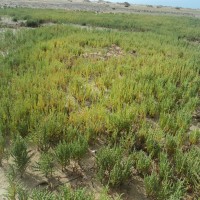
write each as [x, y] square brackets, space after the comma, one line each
[20, 154]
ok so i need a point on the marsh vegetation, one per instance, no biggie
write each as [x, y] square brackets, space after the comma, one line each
[122, 98]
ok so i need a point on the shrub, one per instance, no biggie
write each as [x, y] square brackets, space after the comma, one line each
[45, 165]
[150, 6]
[78, 148]
[32, 23]
[63, 154]
[140, 140]
[178, 191]
[22, 194]
[152, 185]
[83, 24]
[2, 147]
[170, 145]
[153, 147]
[112, 167]
[20, 155]
[194, 137]
[15, 189]
[180, 162]
[187, 166]
[79, 194]
[26, 17]
[142, 162]
[106, 159]
[65, 193]
[14, 19]
[165, 189]
[126, 4]
[104, 195]
[165, 170]
[50, 131]
[44, 195]
[120, 172]
[192, 168]
[42, 139]
[171, 190]
[12, 180]
[73, 150]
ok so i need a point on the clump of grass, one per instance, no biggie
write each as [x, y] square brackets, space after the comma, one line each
[37, 194]
[14, 19]
[165, 169]
[20, 155]
[72, 150]
[171, 145]
[152, 185]
[45, 165]
[2, 147]
[63, 154]
[32, 23]
[79, 194]
[153, 147]
[142, 162]
[194, 137]
[111, 166]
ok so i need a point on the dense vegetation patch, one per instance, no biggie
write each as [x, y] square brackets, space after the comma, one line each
[189, 27]
[62, 88]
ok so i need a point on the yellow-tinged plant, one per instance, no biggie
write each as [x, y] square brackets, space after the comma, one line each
[59, 82]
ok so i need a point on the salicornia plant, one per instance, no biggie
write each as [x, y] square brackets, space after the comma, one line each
[2, 147]
[112, 167]
[45, 165]
[20, 155]
[63, 154]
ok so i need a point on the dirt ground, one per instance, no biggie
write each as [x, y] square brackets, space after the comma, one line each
[3, 183]
[99, 6]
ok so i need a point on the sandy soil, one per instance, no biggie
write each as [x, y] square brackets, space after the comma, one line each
[3, 183]
[100, 6]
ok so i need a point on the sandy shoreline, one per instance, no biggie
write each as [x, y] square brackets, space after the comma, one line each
[99, 7]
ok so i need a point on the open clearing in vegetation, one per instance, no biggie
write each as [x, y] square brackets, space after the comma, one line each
[112, 105]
